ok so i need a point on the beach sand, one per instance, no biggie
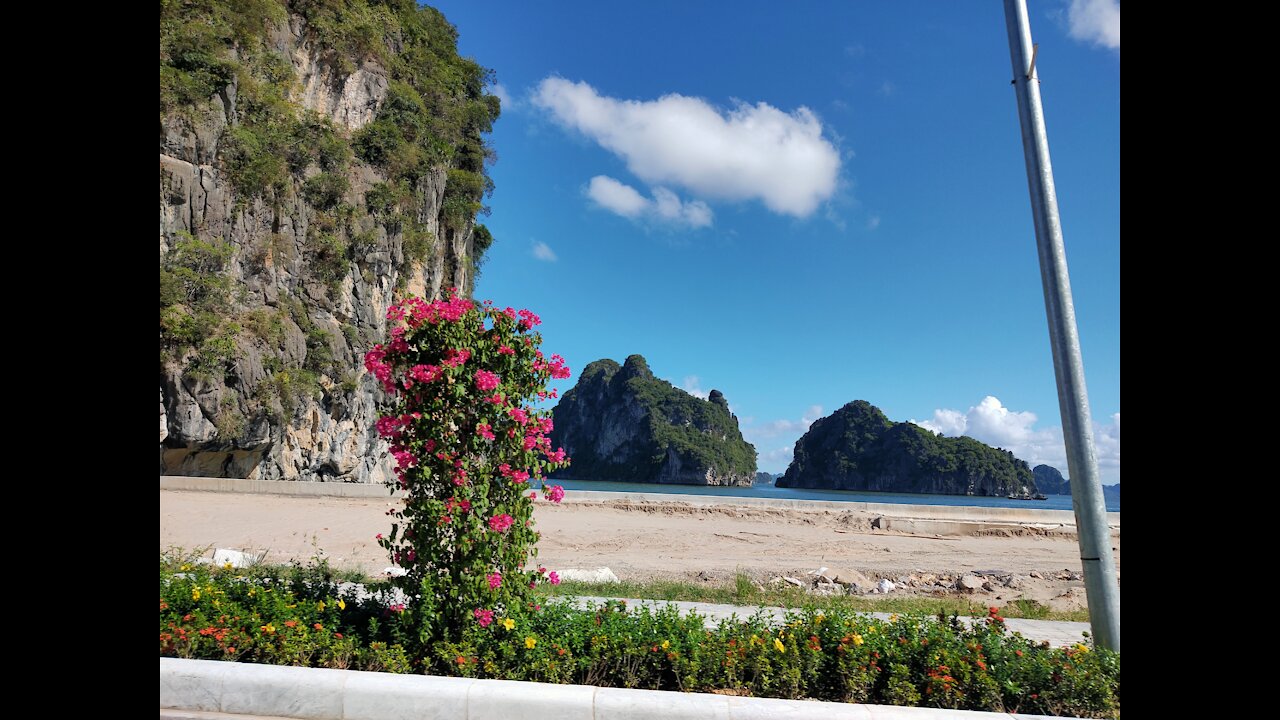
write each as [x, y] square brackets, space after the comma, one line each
[653, 540]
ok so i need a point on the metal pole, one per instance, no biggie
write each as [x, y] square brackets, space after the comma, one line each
[1101, 587]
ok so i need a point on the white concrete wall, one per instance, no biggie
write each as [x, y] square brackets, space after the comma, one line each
[316, 694]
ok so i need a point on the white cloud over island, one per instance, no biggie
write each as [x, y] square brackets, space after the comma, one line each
[749, 152]
[991, 422]
[1095, 21]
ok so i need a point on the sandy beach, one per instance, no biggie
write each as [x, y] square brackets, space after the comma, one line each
[670, 539]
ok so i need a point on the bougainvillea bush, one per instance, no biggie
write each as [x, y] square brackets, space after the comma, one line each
[471, 454]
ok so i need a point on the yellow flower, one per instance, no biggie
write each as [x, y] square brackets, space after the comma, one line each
[269, 629]
[893, 617]
[186, 568]
[508, 623]
[227, 566]
[195, 593]
[1081, 647]
[820, 618]
[666, 644]
[778, 644]
[857, 640]
[253, 593]
[342, 604]
[755, 640]
[320, 606]
[530, 642]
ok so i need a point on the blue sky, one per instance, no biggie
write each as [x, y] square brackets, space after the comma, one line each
[805, 204]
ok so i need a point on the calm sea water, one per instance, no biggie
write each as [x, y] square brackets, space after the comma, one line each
[1055, 502]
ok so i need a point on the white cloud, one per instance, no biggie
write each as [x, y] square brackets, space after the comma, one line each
[617, 197]
[784, 427]
[543, 252]
[873, 222]
[504, 97]
[1095, 21]
[750, 152]
[775, 460]
[691, 385]
[991, 422]
[665, 206]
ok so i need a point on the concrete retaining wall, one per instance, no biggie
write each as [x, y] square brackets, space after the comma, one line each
[957, 513]
[207, 686]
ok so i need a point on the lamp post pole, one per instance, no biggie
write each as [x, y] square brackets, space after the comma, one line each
[1101, 586]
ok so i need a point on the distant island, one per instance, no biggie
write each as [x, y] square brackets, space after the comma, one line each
[764, 478]
[1051, 482]
[858, 448]
[621, 423]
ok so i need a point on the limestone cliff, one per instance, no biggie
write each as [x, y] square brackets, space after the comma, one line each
[858, 448]
[317, 160]
[621, 423]
[1050, 481]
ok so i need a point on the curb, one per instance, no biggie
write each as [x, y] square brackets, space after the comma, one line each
[213, 689]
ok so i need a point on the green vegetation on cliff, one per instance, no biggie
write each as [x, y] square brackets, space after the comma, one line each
[858, 448]
[242, 83]
[623, 423]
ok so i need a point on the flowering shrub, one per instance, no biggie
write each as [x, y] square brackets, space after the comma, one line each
[468, 444]
[832, 655]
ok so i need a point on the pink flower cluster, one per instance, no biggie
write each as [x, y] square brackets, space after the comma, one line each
[515, 476]
[464, 505]
[495, 580]
[456, 358]
[556, 367]
[389, 427]
[374, 363]
[554, 493]
[414, 311]
[486, 381]
[501, 523]
[423, 374]
[528, 319]
[484, 617]
[485, 431]
[506, 350]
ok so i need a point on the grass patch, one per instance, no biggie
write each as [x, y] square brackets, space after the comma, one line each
[743, 591]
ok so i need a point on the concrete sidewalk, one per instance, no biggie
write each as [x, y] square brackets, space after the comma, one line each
[1058, 633]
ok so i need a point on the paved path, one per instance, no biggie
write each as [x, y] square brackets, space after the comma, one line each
[1056, 632]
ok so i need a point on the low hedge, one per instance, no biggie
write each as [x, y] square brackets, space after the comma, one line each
[306, 617]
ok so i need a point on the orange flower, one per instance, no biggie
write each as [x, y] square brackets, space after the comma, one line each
[318, 626]
[291, 623]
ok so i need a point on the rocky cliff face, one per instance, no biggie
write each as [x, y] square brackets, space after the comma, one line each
[858, 448]
[621, 423]
[287, 229]
[1050, 481]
